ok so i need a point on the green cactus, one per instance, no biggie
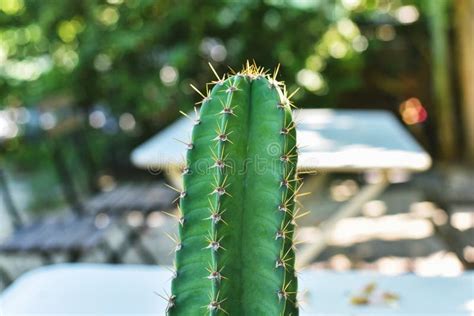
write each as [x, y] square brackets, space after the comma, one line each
[235, 251]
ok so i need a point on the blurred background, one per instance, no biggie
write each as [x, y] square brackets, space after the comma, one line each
[121, 70]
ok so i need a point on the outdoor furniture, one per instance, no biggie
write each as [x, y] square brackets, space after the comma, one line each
[94, 289]
[84, 226]
[350, 141]
[71, 234]
[72, 158]
[70, 137]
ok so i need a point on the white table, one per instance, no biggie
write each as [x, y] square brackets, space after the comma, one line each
[93, 289]
[329, 140]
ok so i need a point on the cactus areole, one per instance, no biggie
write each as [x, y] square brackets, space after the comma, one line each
[235, 251]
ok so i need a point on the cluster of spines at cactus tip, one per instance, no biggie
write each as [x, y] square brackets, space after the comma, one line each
[289, 186]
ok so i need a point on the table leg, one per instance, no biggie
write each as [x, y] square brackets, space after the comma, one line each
[351, 208]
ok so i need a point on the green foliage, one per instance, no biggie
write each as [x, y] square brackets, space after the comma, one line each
[235, 254]
[141, 56]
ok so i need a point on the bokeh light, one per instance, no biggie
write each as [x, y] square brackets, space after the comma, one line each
[413, 112]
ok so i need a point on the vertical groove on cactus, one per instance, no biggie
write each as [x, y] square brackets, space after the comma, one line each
[236, 252]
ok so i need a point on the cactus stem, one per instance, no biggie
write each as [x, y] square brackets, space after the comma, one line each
[232, 71]
[195, 121]
[219, 161]
[250, 245]
[222, 134]
[219, 79]
[181, 195]
[275, 72]
[283, 208]
[214, 243]
[174, 273]
[186, 171]
[219, 164]
[215, 275]
[285, 158]
[231, 88]
[205, 98]
[286, 130]
[215, 304]
[220, 189]
[179, 217]
[170, 299]
[283, 293]
[292, 94]
[188, 145]
[285, 182]
[281, 262]
[283, 231]
[216, 216]
[282, 104]
[222, 137]
[297, 214]
[227, 109]
[178, 244]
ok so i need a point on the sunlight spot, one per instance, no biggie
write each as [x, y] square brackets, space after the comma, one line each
[135, 218]
[127, 122]
[438, 264]
[351, 4]
[392, 265]
[155, 219]
[311, 80]
[109, 16]
[468, 253]
[385, 32]
[374, 208]
[11, 7]
[102, 220]
[413, 111]
[469, 306]
[168, 75]
[218, 53]
[338, 49]
[97, 119]
[360, 43]
[462, 220]
[106, 183]
[428, 210]
[407, 14]
[8, 128]
[398, 176]
[347, 28]
[47, 120]
[340, 263]
[102, 63]
[349, 231]
[343, 190]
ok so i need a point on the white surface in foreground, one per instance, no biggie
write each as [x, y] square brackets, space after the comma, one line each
[93, 289]
[336, 140]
